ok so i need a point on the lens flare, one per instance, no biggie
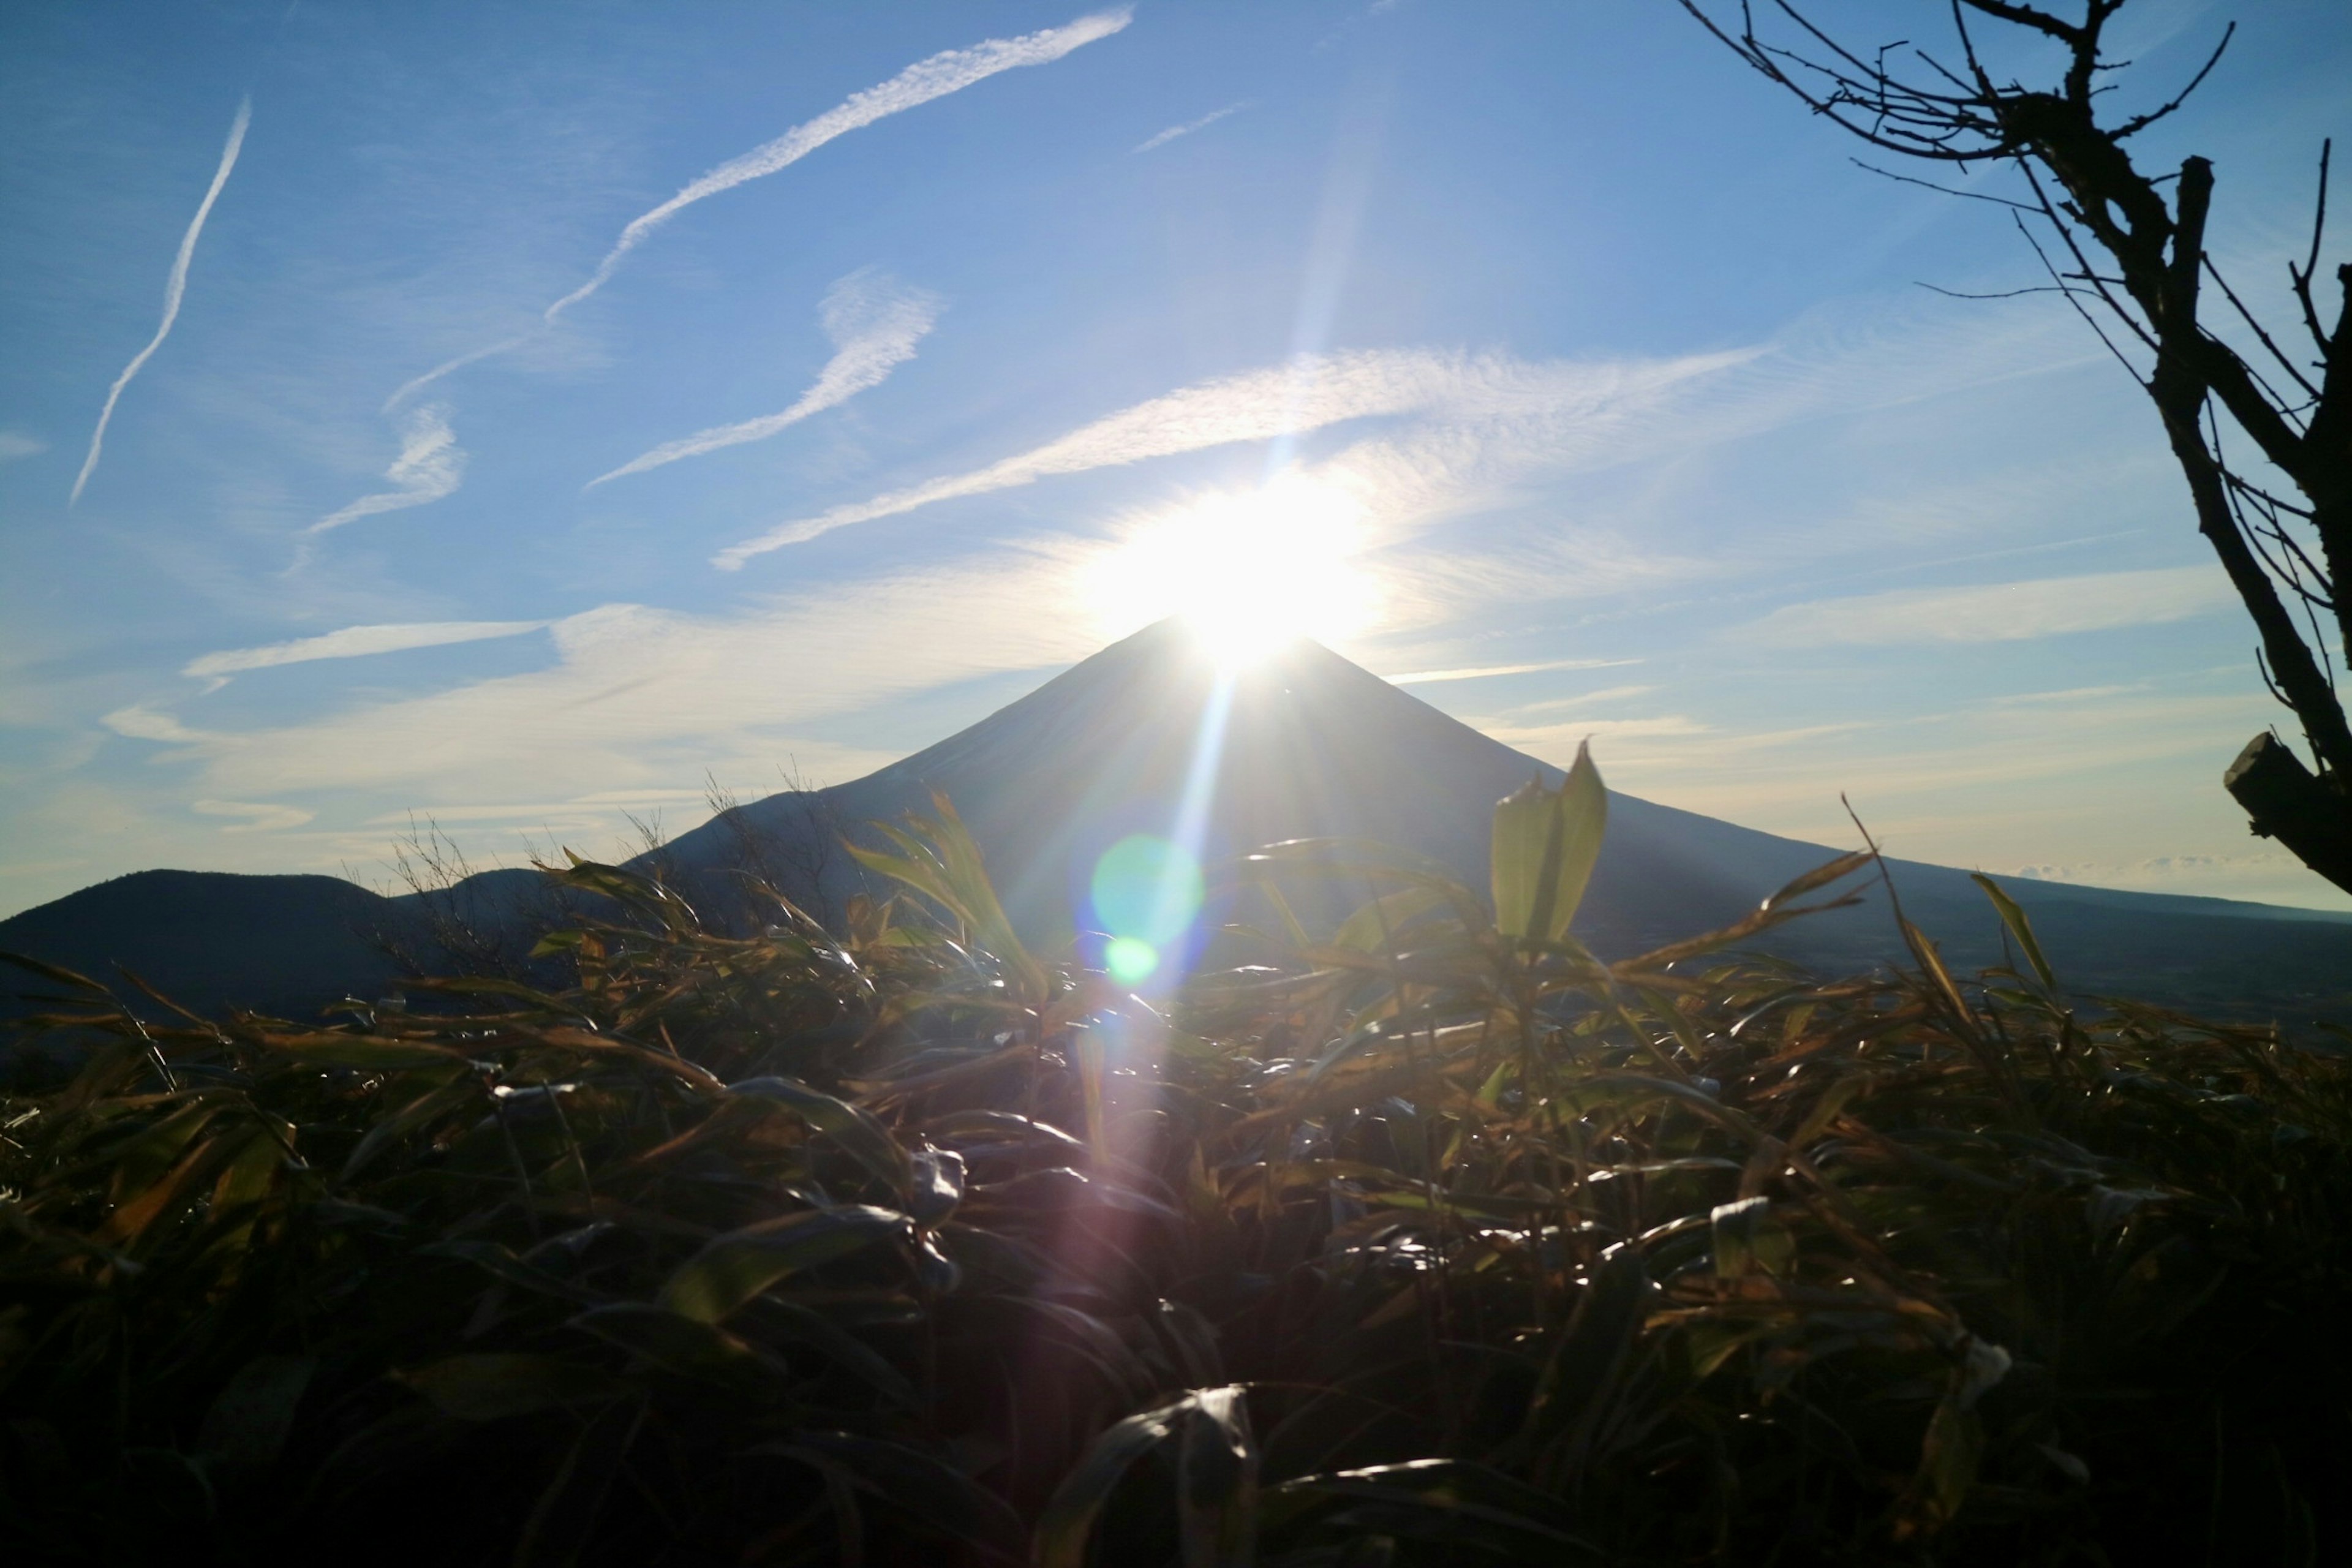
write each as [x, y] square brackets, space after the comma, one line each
[1146, 888]
[1130, 962]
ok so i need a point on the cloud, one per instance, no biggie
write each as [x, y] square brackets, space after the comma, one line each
[948, 71]
[2001, 612]
[1426, 677]
[951, 70]
[431, 465]
[874, 324]
[256, 817]
[141, 722]
[639, 697]
[414, 384]
[1309, 392]
[1189, 126]
[175, 287]
[15, 444]
[353, 642]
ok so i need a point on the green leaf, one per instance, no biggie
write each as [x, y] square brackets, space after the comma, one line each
[795, 1323]
[1453, 1502]
[562, 1523]
[1067, 1523]
[1749, 1240]
[492, 1387]
[1948, 1458]
[251, 1416]
[2021, 928]
[52, 971]
[854, 1129]
[1544, 844]
[732, 1269]
[684, 1345]
[366, 1053]
[1216, 1481]
[1588, 1358]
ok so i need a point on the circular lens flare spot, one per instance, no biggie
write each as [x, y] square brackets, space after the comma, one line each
[1130, 960]
[1147, 889]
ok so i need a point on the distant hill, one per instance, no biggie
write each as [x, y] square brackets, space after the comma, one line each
[286, 945]
[1306, 744]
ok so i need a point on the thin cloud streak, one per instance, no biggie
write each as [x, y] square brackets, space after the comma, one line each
[141, 722]
[15, 443]
[353, 642]
[431, 465]
[174, 287]
[875, 326]
[2001, 612]
[410, 388]
[1309, 392]
[640, 696]
[254, 817]
[1189, 126]
[1427, 677]
[948, 71]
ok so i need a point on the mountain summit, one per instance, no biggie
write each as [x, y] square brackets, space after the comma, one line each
[1152, 736]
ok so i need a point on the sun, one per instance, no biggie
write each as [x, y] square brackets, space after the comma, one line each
[1248, 571]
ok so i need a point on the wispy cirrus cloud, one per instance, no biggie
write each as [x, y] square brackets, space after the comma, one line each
[874, 324]
[15, 444]
[951, 70]
[254, 817]
[141, 722]
[1309, 392]
[1481, 672]
[2002, 612]
[174, 287]
[353, 642]
[639, 697]
[1173, 131]
[431, 465]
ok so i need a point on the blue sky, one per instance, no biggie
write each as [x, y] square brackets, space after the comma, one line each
[1535, 340]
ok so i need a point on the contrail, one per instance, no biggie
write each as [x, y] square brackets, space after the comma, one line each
[943, 73]
[1305, 394]
[1309, 392]
[946, 72]
[874, 325]
[351, 642]
[173, 288]
[431, 465]
[1189, 126]
[408, 389]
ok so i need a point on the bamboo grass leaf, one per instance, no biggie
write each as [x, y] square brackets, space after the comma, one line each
[250, 1420]
[2013, 917]
[364, 1053]
[852, 1127]
[732, 1269]
[1545, 845]
[495, 1386]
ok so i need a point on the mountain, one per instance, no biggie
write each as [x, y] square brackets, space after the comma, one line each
[1304, 745]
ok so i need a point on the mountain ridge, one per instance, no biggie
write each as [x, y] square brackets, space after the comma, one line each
[1305, 743]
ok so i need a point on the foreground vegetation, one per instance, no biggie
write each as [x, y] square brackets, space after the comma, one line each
[1418, 1236]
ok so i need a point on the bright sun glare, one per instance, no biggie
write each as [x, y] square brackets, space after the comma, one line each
[1249, 571]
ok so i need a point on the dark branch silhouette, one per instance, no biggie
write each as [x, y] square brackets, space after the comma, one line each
[2139, 261]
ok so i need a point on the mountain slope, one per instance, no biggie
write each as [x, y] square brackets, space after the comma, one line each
[1312, 746]
[1306, 744]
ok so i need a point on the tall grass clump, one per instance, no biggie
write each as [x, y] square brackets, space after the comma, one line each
[1419, 1236]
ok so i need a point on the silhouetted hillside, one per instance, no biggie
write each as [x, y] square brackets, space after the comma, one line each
[1305, 744]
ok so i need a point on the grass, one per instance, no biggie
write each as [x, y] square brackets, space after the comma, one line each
[1418, 1236]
